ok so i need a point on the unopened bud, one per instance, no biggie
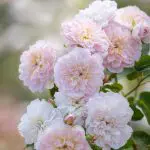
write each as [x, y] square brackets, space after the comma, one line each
[69, 119]
[106, 79]
[91, 139]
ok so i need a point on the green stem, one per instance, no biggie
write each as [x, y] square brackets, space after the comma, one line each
[50, 95]
[134, 146]
[116, 79]
[139, 84]
[51, 99]
[136, 91]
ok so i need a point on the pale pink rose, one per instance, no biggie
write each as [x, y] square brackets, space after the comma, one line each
[87, 34]
[124, 50]
[63, 137]
[130, 16]
[78, 74]
[37, 66]
[142, 32]
[108, 117]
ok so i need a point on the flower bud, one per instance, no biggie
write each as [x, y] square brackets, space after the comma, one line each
[142, 32]
[69, 119]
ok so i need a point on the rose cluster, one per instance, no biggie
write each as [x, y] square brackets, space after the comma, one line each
[99, 38]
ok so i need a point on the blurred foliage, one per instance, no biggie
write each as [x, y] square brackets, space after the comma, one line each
[137, 114]
[141, 141]
[143, 63]
[4, 21]
[142, 4]
[9, 80]
[115, 87]
[144, 104]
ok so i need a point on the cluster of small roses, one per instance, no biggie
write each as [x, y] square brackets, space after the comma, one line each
[99, 37]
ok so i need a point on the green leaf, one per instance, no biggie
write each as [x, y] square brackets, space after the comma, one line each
[128, 145]
[145, 49]
[137, 114]
[133, 75]
[89, 138]
[141, 140]
[143, 63]
[112, 76]
[31, 146]
[53, 90]
[144, 103]
[95, 147]
[130, 148]
[115, 87]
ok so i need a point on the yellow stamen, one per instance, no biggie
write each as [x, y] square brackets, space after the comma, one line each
[86, 36]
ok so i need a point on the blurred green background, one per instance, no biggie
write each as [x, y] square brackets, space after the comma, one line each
[22, 22]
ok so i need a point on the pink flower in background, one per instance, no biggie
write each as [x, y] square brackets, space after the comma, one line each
[124, 50]
[37, 66]
[63, 137]
[78, 74]
[108, 117]
[87, 34]
[142, 32]
[130, 16]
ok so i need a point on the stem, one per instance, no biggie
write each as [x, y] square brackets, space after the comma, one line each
[139, 84]
[50, 95]
[108, 78]
[116, 79]
[134, 146]
[136, 91]
[51, 99]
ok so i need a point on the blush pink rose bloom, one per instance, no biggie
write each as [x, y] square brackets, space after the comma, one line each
[87, 34]
[124, 50]
[142, 32]
[130, 16]
[60, 136]
[108, 117]
[37, 66]
[78, 74]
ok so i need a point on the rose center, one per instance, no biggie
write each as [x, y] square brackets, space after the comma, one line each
[117, 46]
[86, 35]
